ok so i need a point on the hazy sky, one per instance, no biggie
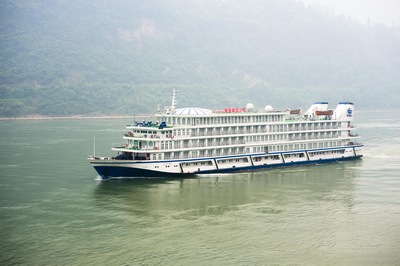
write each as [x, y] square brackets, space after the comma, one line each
[377, 11]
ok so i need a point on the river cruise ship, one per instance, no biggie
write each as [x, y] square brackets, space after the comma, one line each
[192, 141]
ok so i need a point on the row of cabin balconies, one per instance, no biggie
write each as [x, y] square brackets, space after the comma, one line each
[243, 133]
[204, 153]
[241, 130]
[256, 130]
[210, 143]
[227, 151]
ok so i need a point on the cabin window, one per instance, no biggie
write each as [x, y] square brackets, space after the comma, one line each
[313, 145]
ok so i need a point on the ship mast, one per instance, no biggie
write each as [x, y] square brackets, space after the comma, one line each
[174, 101]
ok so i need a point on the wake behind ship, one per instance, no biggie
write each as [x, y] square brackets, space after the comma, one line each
[189, 141]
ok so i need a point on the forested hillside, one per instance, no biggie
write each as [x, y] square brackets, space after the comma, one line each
[70, 57]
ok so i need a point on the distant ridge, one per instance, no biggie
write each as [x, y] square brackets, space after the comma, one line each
[62, 58]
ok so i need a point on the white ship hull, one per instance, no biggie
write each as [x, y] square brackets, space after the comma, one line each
[109, 168]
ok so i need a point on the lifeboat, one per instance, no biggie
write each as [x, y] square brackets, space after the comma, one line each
[325, 112]
[294, 111]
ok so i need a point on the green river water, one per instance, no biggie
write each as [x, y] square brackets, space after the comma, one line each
[55, 211]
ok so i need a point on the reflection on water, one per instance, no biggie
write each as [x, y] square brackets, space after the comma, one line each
[299, 210]
[270, 190]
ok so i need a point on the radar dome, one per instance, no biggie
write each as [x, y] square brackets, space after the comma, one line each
[268, 108]
[249, 107]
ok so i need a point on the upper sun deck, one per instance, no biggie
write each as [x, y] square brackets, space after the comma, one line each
[204, 117]
[203, 112]
[217, 119]
[192, 117]
[249, 116]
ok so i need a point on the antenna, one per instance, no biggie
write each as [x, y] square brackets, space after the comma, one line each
[94, 146]
[174, 101]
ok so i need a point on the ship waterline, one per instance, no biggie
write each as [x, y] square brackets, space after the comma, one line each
[189, 141]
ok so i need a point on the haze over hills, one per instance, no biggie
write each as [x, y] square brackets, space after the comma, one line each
[123, 57]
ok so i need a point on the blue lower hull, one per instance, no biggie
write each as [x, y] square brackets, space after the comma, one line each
[107, 172]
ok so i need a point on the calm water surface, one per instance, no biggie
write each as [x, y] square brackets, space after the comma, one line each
[54, 211]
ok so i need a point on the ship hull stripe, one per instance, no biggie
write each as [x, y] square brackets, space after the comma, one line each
[115, 171]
